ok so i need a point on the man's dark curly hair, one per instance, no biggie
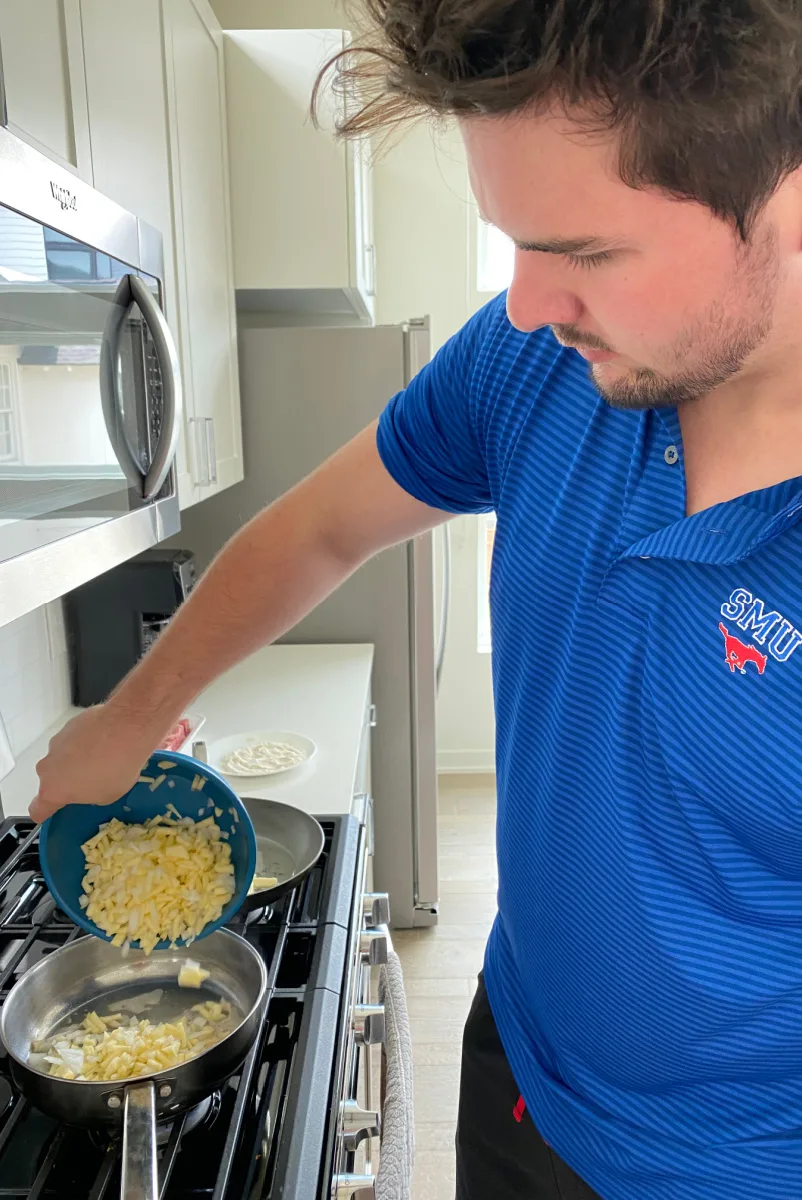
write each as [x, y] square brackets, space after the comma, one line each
[704, 95]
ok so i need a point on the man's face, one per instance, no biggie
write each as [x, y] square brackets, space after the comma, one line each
[662, 298]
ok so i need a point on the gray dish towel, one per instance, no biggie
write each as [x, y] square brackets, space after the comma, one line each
[394, 1177]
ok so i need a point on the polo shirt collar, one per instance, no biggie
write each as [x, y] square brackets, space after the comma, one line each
[654, 524]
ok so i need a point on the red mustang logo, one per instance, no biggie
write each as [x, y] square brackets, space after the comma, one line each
[737, 654]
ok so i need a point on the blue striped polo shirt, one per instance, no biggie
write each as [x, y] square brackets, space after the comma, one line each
[645, 967]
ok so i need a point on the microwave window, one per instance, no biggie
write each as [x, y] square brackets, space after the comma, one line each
[62, 465]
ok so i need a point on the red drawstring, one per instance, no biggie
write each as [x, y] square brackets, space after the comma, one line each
[519, 1110]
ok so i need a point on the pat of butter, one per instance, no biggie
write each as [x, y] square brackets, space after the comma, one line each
[191, 974]
[263, 883]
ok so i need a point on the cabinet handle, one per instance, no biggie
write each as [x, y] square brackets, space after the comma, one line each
[201, 455]
[211, 450]
[3, 104]
[370, 251]
[372, 718]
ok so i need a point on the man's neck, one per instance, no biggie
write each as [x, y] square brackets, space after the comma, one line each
[743, 437]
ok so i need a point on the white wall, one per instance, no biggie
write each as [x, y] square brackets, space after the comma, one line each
[424, 232]
[34, 675]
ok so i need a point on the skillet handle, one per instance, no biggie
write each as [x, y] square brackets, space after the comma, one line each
[140, 1177]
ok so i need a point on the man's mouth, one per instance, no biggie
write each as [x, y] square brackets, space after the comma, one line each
[595, 356]
[592, 349]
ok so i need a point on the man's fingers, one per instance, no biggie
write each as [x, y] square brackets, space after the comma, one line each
[40, 810]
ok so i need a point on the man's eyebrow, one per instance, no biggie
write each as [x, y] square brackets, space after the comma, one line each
[561, 245]
[577, 245]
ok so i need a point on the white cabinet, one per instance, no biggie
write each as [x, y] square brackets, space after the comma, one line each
[130, 141]
[202, 224]
[43, 80]
[301, 201]
[159, 150]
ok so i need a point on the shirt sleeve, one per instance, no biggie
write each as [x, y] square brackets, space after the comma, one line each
[428, 435]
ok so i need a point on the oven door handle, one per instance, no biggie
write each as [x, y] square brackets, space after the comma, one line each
[167, 357]
[397, 1156]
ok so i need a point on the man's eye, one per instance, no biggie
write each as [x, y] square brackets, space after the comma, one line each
[588, 260]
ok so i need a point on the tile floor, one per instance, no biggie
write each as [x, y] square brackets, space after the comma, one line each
[440, 968]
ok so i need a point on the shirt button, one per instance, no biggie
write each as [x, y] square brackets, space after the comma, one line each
[671, 455]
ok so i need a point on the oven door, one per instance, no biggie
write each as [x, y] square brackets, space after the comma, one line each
[90, 393]
[358, 1078]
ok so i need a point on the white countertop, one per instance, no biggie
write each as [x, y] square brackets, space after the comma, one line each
[319, 691]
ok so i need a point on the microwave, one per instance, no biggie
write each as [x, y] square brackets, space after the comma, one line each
[90, 388]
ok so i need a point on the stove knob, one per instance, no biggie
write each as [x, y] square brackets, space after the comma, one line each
[373, 947]
[354, 1187]
[368, 1024]
[358, 1124]
[376, 908]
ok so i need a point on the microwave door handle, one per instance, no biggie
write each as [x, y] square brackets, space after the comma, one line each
[109, 387]
[167, 356]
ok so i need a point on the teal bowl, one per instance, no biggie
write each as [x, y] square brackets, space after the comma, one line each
[63, 834]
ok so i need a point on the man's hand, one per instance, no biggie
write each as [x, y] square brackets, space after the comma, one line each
[95, 759]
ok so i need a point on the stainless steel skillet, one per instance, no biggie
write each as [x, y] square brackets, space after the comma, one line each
[90, 974]
[288, 844]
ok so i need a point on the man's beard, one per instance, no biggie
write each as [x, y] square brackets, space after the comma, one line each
[644, 388]
[716, 348]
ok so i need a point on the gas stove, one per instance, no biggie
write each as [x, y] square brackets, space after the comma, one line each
[284, 1125]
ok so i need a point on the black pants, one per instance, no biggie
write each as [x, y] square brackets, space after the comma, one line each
[500, 1154]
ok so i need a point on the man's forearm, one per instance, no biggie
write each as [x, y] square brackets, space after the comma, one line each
[269, 576]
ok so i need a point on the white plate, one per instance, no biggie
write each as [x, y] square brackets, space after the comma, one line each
[224, 746]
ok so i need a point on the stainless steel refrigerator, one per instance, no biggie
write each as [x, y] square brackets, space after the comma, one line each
[305, 391]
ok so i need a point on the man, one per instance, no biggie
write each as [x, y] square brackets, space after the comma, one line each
[644, 976]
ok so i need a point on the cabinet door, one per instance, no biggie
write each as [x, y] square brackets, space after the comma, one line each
[43, 79]
[130, 142]
[289, 179]
[196, 92]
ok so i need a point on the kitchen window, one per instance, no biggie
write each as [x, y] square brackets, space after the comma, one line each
[9, 441]
[495, 255]
[71, 261]
[487, 535]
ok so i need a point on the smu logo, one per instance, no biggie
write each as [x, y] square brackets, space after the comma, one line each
[772, 631]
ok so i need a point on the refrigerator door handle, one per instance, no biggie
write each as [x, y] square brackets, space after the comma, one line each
[424, 739]
[445, 601]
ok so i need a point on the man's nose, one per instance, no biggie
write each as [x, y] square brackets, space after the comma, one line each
[538, 294]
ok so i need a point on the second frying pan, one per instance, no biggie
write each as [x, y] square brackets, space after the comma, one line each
[288, 844]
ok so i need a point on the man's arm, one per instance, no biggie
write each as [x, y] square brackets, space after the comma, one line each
[270, 575]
